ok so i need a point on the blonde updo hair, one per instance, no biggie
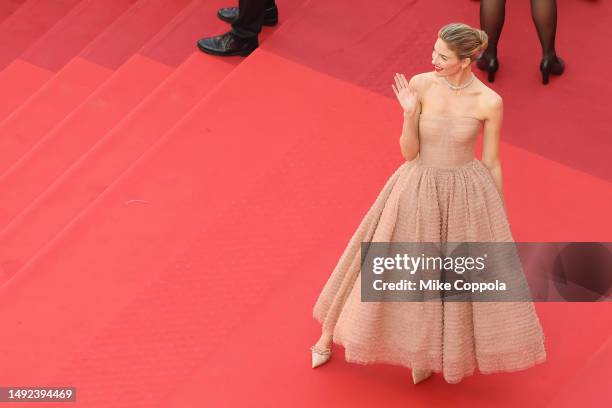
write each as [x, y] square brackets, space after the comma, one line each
[463, 40]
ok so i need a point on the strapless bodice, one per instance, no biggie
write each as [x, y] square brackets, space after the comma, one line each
[447, 141]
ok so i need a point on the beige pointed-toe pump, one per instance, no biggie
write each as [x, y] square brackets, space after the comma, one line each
[420, 375]
[320, 356]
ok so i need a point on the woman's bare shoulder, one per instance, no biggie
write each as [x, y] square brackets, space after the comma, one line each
[491, 103]
[421, 79]
[421, 82]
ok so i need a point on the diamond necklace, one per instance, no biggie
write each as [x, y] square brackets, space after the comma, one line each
[458, 87]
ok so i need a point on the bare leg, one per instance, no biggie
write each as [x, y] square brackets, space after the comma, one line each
[325, 341]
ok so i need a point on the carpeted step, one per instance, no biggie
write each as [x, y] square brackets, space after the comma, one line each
[27, 24]
[80, 184]
[84, 74]
[9, 7]
[25, 74]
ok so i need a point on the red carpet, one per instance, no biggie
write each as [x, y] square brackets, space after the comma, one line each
[169, 217]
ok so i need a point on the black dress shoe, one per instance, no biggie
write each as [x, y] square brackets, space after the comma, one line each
[230, 14]
[228, 44]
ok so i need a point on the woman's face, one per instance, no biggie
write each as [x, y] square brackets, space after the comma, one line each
[444, 60]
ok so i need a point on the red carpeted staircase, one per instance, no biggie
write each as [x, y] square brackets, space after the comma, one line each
[167, 218]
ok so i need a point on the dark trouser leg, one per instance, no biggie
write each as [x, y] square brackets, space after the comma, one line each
[250, 18]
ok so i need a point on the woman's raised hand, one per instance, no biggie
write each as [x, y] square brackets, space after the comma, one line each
[406, 95]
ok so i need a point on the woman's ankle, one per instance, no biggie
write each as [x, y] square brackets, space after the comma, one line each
[324, 341]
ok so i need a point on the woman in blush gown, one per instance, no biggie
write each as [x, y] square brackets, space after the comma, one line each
[441, 193]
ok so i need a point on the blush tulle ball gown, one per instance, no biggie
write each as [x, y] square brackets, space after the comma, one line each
[444, 195]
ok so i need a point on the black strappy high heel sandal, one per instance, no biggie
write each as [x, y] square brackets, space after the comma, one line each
[554, 66]
[491, 65]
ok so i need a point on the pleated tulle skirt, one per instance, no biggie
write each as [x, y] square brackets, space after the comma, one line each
[421, 203]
